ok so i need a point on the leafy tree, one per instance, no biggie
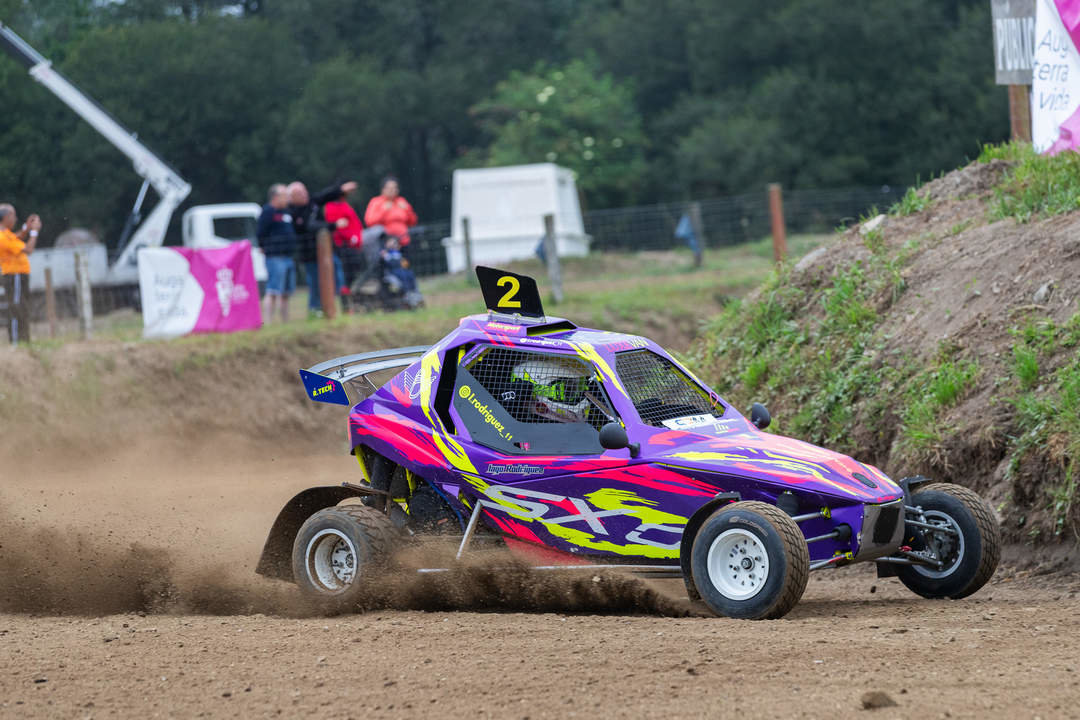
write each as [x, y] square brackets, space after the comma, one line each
[571, 116]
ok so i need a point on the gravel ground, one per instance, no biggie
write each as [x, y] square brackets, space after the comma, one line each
[227, 644]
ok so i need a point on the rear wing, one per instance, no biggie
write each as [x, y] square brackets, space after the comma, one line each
[347, 380]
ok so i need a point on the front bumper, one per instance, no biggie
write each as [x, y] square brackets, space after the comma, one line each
[882, 530]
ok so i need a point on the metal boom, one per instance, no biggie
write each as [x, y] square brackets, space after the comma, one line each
[170, 187]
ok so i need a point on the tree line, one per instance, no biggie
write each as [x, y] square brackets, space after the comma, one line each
[646, 100]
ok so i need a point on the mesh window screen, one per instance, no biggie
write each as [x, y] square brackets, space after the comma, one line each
[541, 388]
[659, 390]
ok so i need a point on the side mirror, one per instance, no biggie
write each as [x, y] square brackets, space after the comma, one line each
[759, 416]
[613, 437]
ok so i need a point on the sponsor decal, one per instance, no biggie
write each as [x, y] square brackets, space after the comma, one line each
[543, 342]
[631, 342]
[515, 469]
[505, 328]
[328, 387]
[466, 393]
[690, 421]
[522, 504]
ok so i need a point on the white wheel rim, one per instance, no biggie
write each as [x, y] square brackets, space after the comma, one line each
[332, 563]
[950, 548]
[738, 564]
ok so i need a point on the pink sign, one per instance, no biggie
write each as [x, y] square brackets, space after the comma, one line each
[185, 290]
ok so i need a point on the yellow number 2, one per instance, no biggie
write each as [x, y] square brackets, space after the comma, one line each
[507, 300]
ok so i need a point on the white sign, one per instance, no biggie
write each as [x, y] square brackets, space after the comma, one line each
[1055, 79]
[1014, 36]
[171, 296]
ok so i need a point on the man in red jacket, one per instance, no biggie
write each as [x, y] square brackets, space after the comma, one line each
[391, 211]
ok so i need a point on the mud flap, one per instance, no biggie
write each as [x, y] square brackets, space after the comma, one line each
[276, 558]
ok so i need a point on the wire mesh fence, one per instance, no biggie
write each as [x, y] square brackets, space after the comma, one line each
[732, 220]
[717, 222]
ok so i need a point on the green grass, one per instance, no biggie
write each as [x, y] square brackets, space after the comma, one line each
[913, 201]
[1048, 417]
[930, 393]
[809, 351]
[1036, 185]
[1025, 365]
[600, 290]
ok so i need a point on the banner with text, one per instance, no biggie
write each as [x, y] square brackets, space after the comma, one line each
[184, 290]
[1055, 77]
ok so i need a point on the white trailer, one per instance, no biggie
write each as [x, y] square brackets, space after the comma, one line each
[138, 233]
[506, 207]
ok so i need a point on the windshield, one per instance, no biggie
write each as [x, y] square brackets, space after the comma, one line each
[663, 395]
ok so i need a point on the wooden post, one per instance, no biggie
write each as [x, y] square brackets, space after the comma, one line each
[324, 253]
[82, 293]
[50, 302]
[551, 256]
[1020, 112]
[470, 276]
[699, 232]
[779, 231]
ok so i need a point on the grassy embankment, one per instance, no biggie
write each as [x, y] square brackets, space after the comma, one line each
[815, 349]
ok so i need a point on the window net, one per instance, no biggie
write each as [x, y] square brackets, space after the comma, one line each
[542, 388]
[659, 390]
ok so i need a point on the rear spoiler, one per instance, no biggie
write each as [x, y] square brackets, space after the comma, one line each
[331, 381]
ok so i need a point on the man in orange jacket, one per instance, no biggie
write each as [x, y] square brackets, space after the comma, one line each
[15, 269]
[391, 211]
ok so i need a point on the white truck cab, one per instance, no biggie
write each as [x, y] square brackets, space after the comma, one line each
[215, 226]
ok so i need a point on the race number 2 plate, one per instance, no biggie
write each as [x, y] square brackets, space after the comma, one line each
[509, 293]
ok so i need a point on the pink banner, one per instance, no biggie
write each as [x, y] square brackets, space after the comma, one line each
[230, 293]
[1069, 10]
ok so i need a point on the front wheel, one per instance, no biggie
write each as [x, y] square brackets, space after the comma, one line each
[750, 560]
[337, 546]
[965, 544]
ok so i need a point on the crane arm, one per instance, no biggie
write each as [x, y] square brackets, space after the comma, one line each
[171, 188]
[166, 181]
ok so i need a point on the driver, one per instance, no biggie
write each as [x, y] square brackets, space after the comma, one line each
[555, 390]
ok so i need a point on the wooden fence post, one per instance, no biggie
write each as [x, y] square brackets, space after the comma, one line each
[82, 290]
[551, 257]
[779, 231]
[324, 254]
[50, 302]
[470, 276]
[699, 232]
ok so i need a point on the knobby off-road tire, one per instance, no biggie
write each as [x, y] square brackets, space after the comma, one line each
[977, 549]
[337, 546]
[750, 560]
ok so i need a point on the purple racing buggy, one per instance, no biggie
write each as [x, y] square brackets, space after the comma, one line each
[580, 448]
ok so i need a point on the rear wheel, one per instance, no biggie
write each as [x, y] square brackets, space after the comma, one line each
[966, 542]
[337, 547]
[750, 560]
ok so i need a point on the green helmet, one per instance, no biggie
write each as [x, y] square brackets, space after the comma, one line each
[558, 388]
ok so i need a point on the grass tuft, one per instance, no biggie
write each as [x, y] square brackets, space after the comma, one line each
[913, 201]
[1036, 185]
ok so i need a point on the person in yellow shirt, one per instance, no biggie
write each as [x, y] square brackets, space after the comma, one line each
[15, 248]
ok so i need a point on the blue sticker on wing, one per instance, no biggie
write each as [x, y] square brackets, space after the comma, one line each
[324, 389]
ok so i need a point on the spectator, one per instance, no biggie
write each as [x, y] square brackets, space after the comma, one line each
[15, 270]
[397, 265]
[277, 238]
[391, 211]
[348, 240]
[307, 220]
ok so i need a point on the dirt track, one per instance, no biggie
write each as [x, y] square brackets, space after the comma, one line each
[1010, 651]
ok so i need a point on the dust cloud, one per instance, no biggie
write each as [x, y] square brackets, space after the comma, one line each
[57, 571]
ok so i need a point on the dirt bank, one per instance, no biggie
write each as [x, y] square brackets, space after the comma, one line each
[938, 340]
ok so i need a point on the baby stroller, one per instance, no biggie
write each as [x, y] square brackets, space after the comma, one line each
[386, 283]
